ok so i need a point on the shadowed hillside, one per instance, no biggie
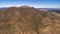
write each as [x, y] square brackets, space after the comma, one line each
[28, 20]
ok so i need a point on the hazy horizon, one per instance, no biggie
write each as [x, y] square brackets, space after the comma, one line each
[32, 3]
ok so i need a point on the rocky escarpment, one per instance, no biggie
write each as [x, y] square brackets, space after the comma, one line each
[17, 20]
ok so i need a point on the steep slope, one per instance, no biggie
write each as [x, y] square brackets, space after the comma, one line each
[17, 20]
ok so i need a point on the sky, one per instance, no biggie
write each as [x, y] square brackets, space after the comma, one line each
[32, 3]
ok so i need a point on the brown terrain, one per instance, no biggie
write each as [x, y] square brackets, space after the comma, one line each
[28, 20]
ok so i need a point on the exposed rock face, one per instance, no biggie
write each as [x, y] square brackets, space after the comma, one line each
[28, 21]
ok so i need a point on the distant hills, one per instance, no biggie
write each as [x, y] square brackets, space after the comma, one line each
[28, 20]
[50, 9]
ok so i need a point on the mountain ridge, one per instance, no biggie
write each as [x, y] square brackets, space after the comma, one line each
[28, 21]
